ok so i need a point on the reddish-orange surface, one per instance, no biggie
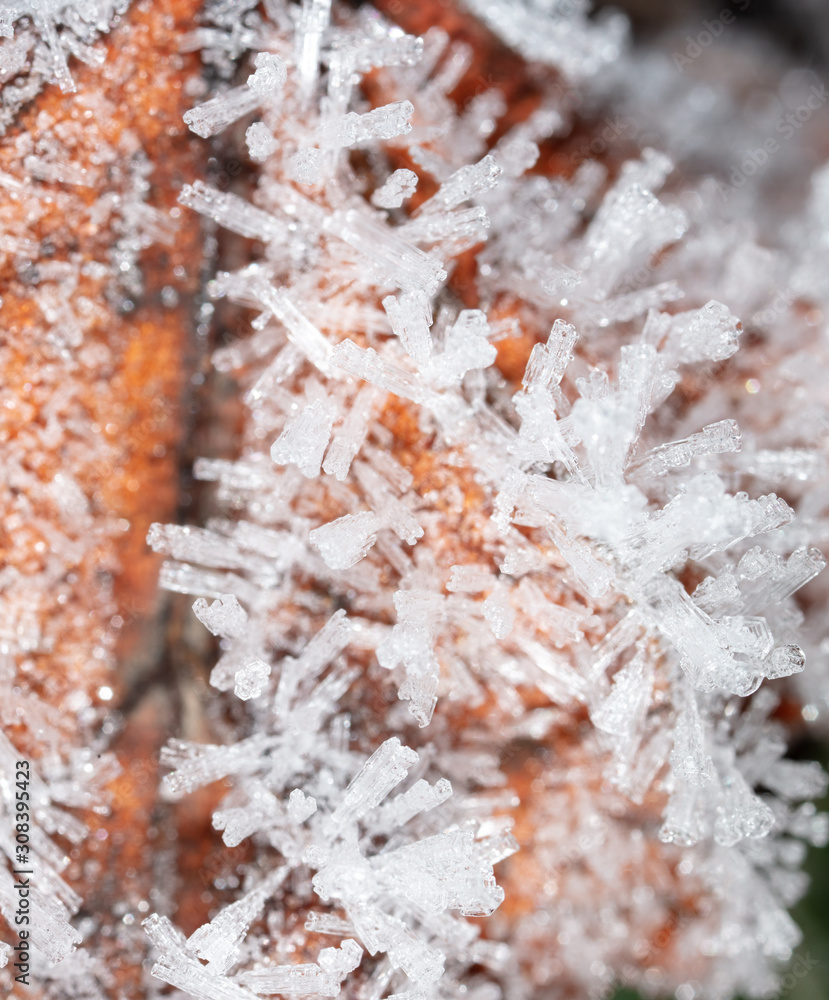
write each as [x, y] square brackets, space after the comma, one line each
[124, 454]
[127, 395]
[137, 407]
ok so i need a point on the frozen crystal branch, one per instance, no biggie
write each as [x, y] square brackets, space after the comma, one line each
[529, 484]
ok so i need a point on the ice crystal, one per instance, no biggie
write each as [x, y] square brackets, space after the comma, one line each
[325, 832]
[398, 187]
[39, 37]
[555, 32]
[587, 604]
[422, 553]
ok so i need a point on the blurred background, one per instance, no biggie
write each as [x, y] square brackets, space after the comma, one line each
[799, 31]
[800, 28]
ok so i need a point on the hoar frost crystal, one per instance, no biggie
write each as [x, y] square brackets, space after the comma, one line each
[496, 639]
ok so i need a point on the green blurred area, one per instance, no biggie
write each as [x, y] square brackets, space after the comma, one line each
[811, 914]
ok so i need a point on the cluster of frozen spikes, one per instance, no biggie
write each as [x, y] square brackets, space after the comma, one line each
[546, 550]
[570, 568]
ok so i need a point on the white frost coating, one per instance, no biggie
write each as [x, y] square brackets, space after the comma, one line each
[386, 768]
[400, 185]
[260, 142]
[270, 75]
[216, 114]
[603, 539]
[80, 24]
[344, 542]
[454, 869]
[556, 33]
[251, 680]
[354, 130]
[225, 617]
[305, 438]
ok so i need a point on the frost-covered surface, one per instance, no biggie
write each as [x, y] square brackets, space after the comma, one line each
[483, 641]
[607, 544]
[57, 638]
[39, 38]
[556, 32]
[76, 417]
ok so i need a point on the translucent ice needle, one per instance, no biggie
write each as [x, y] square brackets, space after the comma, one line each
[386, 767]
[463, 184]
[305, 438]
[232, 212]
[219, 112]
[349, 436]
[365, 363]
[301, 331]
[344, 542]
[399, 263]
[410, 316]
[313, 20]
[352, 129]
